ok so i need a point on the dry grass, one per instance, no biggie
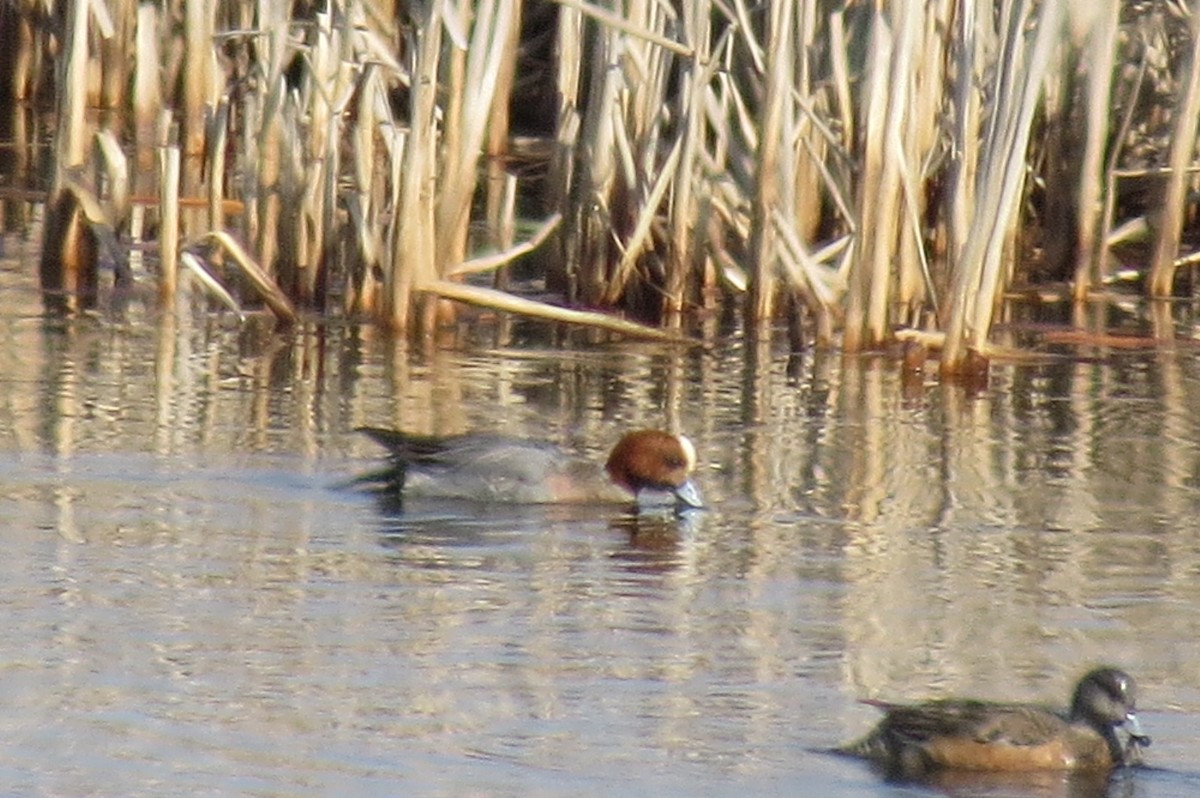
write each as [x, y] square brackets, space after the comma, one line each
[864, 168]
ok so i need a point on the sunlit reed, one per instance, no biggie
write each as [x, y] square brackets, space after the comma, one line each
[858, 170]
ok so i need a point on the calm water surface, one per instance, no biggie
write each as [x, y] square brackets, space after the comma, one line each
[195, 601]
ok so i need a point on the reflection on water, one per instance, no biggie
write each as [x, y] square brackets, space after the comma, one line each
[1123, 784]
[196, 599]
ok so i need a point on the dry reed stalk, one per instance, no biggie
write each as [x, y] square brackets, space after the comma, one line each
[451, 220]
[343, 95]
[912, 127]
[15, 215]
[264, 121]
[147, 96]
[838, 53]
[1101, 21]
[923, 132]
[289, 192]
[1106, 236]
[818, 287]
[763, 247]
[23, 48]
[503, 231]
[116, 56]
[978, 273]
[327, 90]
[413, 258]
[593, 174]
[317, 147]
[811, 136]
[639, 241]
[720, 203]
[805, 140]
[872, 199]
[168, 223]
[570, 49]
[1183, 152]
[684, 249]
[218, 130]
[972, 48]
[510, 253]
[629, 23]
[367, 199]
[493, 37]
[249, 112]
[200, 77]
[500, 193]
[72, 85]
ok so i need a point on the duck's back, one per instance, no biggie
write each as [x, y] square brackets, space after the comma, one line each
[487, 468]
[973, 735]
[491, 468]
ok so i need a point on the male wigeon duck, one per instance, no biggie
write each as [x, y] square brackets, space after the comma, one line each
[644, 466]
[916, 740]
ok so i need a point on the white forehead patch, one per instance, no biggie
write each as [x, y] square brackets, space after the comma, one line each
[689, 452]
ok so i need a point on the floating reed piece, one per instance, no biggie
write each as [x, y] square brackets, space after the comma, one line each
[871, 166]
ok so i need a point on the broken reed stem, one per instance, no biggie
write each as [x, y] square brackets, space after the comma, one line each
[499, 300]
[500, 259]
[257, 276]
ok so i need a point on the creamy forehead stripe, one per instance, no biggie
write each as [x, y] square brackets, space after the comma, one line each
[689, 451]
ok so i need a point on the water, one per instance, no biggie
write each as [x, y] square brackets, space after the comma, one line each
[194, 600]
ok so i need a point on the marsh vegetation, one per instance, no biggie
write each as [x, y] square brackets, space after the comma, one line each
[867, 172]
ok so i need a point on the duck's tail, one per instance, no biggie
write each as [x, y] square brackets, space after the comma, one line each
[404, 447]
[871, 746]
[388, 480]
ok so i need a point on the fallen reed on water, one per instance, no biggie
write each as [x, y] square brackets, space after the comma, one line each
[865, 167]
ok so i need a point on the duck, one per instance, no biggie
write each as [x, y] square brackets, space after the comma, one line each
[646, 467]
[919, 740]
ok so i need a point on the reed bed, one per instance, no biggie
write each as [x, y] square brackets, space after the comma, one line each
[860, 169]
